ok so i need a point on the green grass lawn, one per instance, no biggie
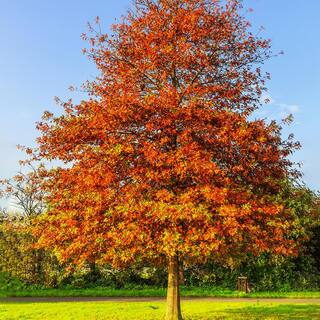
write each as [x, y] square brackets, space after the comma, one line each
[151, 292]
[155, 310]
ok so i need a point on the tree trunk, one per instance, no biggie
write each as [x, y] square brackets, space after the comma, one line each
[173, 295]
[181, 273]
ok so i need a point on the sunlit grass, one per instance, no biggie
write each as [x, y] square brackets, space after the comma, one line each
[155, 310]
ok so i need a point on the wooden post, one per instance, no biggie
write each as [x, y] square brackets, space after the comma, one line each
[243, 285]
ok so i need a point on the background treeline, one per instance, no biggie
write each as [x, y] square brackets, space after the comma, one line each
[22, 265]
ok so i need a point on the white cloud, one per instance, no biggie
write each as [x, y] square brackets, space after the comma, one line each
[289, 108]
[279, 109]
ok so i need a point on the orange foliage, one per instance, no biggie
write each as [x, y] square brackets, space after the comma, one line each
[164, 158]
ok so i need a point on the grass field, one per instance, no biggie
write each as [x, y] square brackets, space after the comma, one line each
[155, 310]
[152, 292]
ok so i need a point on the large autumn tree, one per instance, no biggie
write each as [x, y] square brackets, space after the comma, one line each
[164, 161]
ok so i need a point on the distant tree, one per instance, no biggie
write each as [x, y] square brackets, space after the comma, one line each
[18, 256]
[163, 161]
[305, 204]
[3, 214]
[24, 192]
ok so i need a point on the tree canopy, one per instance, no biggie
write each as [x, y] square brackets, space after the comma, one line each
[164, 160]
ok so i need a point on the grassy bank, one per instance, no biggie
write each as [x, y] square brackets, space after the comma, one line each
[151, 292]
[153, 311]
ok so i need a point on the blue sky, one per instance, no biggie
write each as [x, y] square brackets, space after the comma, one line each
[41, 56]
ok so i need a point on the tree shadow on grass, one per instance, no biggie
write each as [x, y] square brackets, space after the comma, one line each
[277, 311]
